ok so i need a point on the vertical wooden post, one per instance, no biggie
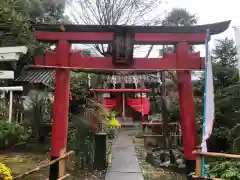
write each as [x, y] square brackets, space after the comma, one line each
[10, 107]
[62, 164]
[123, 99]
[100, 161]
[123, 106]
[198, 171]
[142, 114]
[21, 117]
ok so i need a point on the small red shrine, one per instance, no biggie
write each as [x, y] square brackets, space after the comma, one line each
[118, 103]
[123, 39]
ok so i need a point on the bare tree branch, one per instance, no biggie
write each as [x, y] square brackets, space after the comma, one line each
[149, 51]
[114, 12]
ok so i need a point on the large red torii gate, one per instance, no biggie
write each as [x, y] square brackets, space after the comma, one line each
[183, 61]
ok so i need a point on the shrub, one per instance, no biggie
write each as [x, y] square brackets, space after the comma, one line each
[81, 140]
[11, 134]
[228, 169]
[112, 121]
[5, 172]
[38, 112]
[3, 112]
[111, 133]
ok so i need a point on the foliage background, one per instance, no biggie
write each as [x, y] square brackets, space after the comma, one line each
[15, 29]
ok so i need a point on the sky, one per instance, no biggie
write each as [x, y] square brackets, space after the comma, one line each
[210, 11]
[207, 11]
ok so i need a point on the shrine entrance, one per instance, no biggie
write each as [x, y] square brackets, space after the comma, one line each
[123, 39]
[122, 103]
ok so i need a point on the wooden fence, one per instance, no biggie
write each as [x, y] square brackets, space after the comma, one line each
[174, 128]
[175, 134]
[199, 156]
[62, 167]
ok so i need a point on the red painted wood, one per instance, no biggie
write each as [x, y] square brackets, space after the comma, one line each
[61, 101]
[140, 38]
[50, 58]
[102, 63]
[75, 36]
[169, 38]
[121, 90]
[77, 61]
[63, 48]
[187, 106]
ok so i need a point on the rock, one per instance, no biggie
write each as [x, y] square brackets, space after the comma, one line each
[166, 163]
[152, 159]
[160, 157]
[181, 166]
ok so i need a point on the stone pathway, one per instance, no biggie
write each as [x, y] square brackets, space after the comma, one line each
[125, 164]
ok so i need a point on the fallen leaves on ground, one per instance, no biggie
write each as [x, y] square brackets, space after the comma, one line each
[20, 163]
[150, 172]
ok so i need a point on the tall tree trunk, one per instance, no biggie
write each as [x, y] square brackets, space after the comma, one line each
[123, 85]
[165, 118]
[156, 105]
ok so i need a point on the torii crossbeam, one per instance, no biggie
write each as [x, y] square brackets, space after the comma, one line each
[141, 35]
[122, 39]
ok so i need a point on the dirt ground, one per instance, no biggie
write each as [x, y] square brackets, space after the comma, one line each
[20, 163]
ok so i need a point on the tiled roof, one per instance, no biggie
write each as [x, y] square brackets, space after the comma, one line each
[44, 76]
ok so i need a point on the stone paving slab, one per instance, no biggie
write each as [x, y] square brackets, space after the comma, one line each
[125, 164]
[124, 176]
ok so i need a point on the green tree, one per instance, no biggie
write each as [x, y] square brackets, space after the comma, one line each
[227, 93]
[180, 17]
[16, 28]
[44, 11]
[15, 31]
[226, 84]
[225, 53]
[226, 136]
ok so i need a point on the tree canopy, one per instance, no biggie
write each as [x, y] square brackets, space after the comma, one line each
[15, 26]
[226, 84]
[115, 12]
[180, 17]
[226, 87]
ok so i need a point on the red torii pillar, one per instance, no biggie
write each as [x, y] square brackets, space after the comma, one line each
[187, 108]
[61, 106]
